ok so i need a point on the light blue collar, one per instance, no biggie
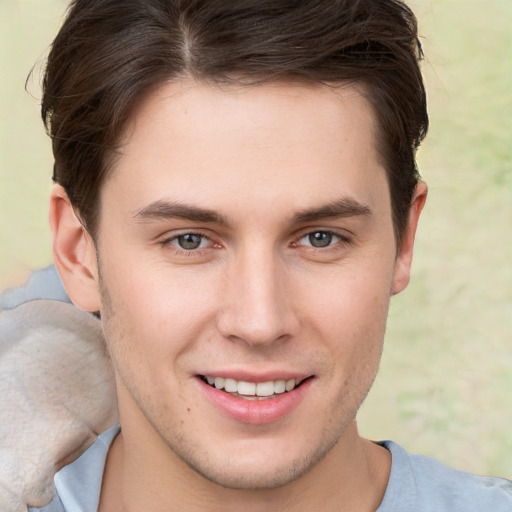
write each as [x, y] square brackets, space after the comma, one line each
[79, 484]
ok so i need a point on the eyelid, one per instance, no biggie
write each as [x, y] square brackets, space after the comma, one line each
[343, 237]
[168, 239]
[176, 233]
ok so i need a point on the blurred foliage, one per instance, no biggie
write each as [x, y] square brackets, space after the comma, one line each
[445, 386]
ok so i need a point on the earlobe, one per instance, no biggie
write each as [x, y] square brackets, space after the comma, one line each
[74, 252]
[403, 260]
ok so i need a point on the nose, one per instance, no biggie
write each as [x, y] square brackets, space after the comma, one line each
[257, 307]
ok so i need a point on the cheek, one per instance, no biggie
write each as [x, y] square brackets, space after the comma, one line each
[157, 312]
[349, 298]
[348, 314]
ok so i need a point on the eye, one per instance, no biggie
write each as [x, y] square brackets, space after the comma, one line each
[320, 239]
[190, 241]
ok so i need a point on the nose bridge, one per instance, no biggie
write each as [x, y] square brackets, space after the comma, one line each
[257, 307]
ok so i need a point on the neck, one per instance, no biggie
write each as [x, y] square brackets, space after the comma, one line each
[144, 474]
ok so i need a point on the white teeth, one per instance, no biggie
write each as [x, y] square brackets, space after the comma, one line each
[265, 388]
[262, 389]
[246, 388]
[279, 386]
[231, 385]
[290, 384]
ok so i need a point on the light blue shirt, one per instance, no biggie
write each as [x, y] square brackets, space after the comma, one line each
[42, 284]
[416, 484]
[78, 485]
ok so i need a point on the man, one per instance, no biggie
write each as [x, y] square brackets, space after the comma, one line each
[236, 194]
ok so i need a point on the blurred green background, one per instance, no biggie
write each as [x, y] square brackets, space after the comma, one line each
[445, 385]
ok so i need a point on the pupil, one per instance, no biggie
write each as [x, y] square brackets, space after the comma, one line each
[320, 239]
[189, 241]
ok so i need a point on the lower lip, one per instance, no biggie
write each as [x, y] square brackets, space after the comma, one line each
[255, 412]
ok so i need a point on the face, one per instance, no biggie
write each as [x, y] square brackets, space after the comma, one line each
[246, 259]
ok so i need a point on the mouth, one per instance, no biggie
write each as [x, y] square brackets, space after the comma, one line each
[255, 401]
[253, 390]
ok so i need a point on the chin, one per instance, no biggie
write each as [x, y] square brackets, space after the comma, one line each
[259, 469]
[249, 479]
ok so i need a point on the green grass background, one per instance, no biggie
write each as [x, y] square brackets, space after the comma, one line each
[445, 385]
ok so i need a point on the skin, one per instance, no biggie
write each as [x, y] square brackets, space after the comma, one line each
[255, 297]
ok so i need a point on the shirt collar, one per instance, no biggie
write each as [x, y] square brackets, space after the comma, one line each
[79, 483]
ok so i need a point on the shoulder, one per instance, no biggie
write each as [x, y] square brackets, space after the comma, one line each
[418, 483]
[42, 284]
[78, 485]
[54, 506]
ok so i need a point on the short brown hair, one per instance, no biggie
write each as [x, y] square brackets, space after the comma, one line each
[111, 53]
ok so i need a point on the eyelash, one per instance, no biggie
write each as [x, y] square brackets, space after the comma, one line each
[342, 240]
[180, 251]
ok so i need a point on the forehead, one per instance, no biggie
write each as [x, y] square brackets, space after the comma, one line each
[221, 146]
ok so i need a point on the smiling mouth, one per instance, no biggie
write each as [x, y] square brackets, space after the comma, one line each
[252, 390]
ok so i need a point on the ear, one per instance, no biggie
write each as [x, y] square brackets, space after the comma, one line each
[74, 252]
[402, 271]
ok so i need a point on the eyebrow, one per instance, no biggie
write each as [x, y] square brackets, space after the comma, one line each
[164, 209]
[344, 207]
